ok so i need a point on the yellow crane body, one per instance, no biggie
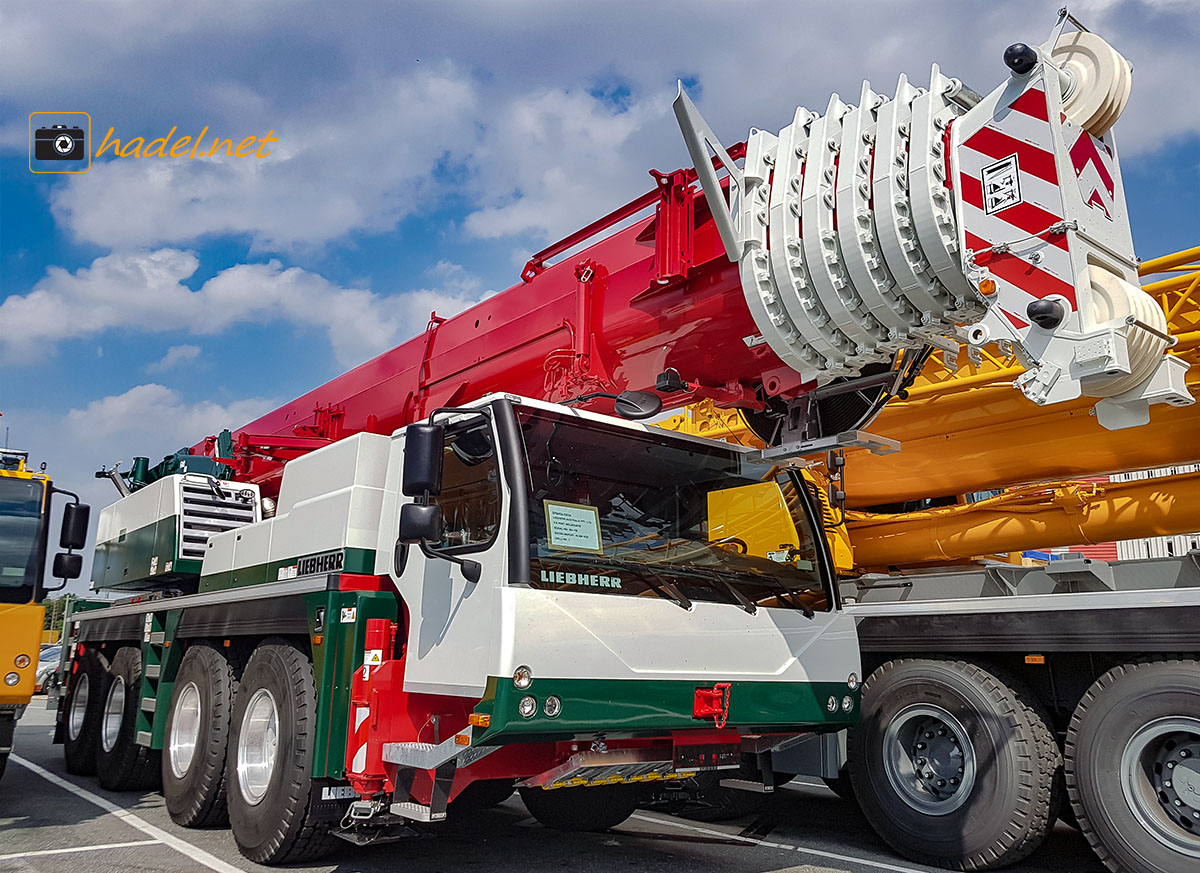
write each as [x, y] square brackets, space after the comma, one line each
[967, 430]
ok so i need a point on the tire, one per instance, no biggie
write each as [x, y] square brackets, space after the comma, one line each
[1136, 730]
[121, 763]
[581, 809]
[976, 725]
[81, 713]
[270, 804]
[196, 739]
[482, 794]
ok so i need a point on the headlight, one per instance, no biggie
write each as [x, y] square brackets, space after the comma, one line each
[527, 707]
[847, 703]
[553, 706]
[831, 704]
[11, 679]
[22, 661]
[522, 678]
[852, 681]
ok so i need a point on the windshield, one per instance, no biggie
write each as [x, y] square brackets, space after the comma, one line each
[617, 511]
[20, 537]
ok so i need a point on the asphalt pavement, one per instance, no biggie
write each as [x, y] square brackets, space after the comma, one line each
[54, 823]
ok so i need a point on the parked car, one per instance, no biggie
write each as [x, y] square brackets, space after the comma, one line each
[48, 660]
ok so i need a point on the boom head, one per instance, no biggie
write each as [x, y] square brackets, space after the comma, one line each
[938, 217]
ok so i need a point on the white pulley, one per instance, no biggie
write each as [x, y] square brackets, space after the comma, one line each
[1111, 302]
[1100, 81]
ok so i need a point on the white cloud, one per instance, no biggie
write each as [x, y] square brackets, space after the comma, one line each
[156, 417]
[561, 153]
[145, 290]
[360, 156]
[149, 420]
[175, 356]
[384, 112]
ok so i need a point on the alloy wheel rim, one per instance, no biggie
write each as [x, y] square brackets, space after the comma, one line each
[258, 746]
[114, 713]
[929, 759]
[185, 730]
[79, 703]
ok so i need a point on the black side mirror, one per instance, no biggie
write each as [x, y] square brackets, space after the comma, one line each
[636, 405]
[420, 524]
[68, 565]
[423, 460]
[74, 528]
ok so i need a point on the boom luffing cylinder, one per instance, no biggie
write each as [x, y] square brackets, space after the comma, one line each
[938, 216]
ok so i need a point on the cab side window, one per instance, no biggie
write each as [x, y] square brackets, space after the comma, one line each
[470, 497]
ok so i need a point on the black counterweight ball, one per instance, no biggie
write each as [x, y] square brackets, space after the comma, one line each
[1020, 58]
[1047, 314]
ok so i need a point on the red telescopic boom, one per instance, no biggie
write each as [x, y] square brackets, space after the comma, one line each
[657, 295]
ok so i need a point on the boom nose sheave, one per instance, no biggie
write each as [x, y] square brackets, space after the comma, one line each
[939, 217]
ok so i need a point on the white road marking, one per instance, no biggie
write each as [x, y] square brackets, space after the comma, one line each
[820, 853]
[74, 849]
[197, 854]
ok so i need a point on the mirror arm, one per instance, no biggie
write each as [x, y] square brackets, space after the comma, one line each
[54, 489]
[470, 569]
[484, 411]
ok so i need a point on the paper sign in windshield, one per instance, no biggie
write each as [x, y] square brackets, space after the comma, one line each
[572, 527]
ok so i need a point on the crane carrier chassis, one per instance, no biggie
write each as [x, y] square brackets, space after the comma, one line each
[564, 610]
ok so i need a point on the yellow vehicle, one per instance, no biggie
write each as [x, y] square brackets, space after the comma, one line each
[24, 542]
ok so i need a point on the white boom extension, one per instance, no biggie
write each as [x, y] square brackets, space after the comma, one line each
[939, 216]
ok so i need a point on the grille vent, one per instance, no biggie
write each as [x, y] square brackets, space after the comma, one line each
[206, 512]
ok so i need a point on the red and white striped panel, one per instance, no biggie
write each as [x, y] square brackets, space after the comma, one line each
[1019, 144]
[1095, 170]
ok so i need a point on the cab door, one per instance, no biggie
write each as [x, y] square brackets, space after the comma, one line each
[455, 625]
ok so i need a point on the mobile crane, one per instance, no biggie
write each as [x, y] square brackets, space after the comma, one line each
[437, 575]
[24, 541]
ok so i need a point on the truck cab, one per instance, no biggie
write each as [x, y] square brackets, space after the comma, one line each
[24, 541]
[611, 585]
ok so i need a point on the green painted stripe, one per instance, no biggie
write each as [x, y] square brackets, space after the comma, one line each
[353, 561]
[632, 706]
[125, 562]
[336, 658]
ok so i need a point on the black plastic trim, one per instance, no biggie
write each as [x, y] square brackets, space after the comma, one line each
[1136, 629]
[512, 448]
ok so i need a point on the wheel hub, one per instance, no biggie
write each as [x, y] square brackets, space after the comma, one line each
[929, 759]
[185, 730]
[1160, 779]
[258, 746]
[79, 703]
[1177, 778]
[114, 712]
[937, 757]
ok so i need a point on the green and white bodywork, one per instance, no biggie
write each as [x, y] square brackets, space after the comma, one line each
[623, 640]
[159, 534]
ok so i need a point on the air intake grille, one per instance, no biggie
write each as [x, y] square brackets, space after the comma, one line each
[206, 512]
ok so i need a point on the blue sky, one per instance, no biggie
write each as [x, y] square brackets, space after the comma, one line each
[424, 151]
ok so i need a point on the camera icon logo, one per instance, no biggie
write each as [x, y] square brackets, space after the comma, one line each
[58, 142]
